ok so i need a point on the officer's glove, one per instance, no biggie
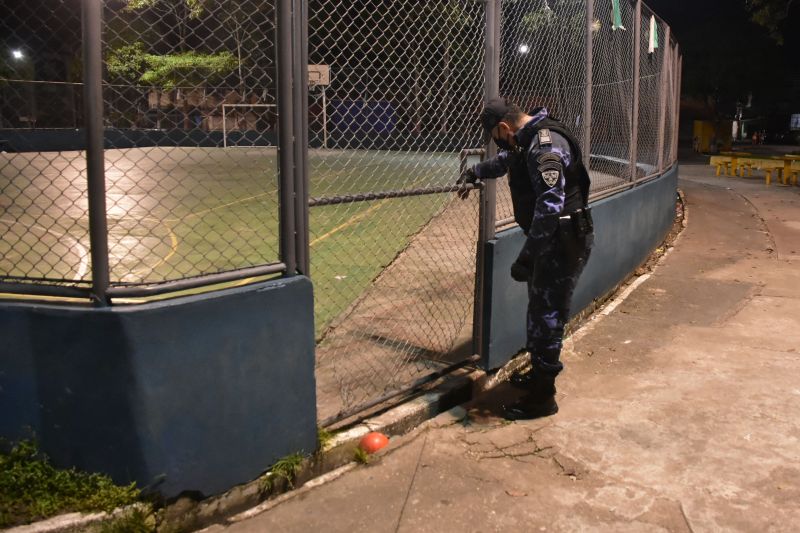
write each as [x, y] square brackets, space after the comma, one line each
[468, 177]
[520, 272]
[522, 269]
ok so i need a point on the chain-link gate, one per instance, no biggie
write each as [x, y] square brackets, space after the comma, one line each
[393, 271]
[151, 146]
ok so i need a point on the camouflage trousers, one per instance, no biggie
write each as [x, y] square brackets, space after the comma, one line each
[550, 289]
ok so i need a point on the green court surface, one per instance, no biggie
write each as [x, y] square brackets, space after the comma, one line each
[180, 212]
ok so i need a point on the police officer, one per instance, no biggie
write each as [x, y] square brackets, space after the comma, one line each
[550, 193]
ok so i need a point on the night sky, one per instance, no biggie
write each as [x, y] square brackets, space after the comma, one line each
[728, 56]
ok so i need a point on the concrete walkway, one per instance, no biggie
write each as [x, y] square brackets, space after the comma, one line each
[680, 409]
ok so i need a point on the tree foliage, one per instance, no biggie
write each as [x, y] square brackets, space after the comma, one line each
[195, 7]
[771, 14]
[169, 71]
[137, 61]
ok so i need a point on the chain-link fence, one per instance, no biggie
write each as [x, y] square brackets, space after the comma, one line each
[185, 178]
[42, 194]
[186, 83]
[394, 277]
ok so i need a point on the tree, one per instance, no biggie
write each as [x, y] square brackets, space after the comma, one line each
[170, 70]
[182, 65]
[177, 14]
[771, 14]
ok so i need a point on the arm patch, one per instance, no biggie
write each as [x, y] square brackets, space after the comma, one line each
[548, 157]
[544, 137]
[550, 177]
[550, 167]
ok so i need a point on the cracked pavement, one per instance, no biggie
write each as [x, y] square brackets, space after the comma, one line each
[679, 411]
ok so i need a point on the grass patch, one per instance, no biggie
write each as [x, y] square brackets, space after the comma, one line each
[136, 520]
[324, 437]
[360, 456]
[32, 489]
[285, 470]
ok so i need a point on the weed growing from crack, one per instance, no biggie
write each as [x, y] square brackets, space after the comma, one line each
[324, 437]
[285, 468]
[360, 456]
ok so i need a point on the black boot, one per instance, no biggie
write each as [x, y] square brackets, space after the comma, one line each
[538, 403]
[523, 380]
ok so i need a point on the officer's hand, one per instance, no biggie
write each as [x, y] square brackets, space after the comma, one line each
[520, 272]
[468, 177]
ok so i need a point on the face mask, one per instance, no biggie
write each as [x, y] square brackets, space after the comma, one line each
[503, 144]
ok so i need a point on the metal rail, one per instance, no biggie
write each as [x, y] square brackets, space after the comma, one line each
[193, 283]
[402, 193]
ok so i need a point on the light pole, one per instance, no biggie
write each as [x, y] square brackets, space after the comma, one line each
[25, 71]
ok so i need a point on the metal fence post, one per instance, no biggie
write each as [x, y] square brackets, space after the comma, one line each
[587, 104]
[301, 134]
[492, 73]
[637, 47]
[286, 166]
[678, 81]
[488, 193]
[92, 23]
[666, 67]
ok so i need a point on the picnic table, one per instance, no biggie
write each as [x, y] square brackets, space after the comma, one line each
[791, 168]
[735, 163]
[729, 160]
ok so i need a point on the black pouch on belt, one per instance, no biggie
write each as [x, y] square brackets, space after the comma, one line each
[581, 222]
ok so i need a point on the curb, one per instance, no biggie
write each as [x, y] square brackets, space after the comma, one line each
[73, 522]
[337, 458]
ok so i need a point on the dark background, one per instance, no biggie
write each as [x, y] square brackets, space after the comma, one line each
[727, 57]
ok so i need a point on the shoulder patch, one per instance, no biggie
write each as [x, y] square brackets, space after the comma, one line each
[544, 137]
[549, 157]
[550, 168]
[550, 177]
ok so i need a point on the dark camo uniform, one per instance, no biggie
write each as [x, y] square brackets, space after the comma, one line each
[546, 185]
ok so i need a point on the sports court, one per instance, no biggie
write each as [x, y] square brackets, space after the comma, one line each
[177, 212]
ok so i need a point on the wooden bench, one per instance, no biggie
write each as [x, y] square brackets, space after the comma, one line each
[721, 161]
[770, 166]
[785, 168]
[745, 164]
[794, 172]
[735, 162]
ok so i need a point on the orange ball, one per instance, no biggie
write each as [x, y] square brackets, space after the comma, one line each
[372, 442]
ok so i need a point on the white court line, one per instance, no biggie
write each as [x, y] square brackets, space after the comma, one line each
[83, 254]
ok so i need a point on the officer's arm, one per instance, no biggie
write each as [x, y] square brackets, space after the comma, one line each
[493, 168]
[546, 169]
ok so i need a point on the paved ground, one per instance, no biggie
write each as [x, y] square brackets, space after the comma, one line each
[680, 410]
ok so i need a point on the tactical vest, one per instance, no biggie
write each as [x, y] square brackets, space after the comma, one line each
[523, 196]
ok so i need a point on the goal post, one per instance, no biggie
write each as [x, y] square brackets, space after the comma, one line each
[319, 77]
[246, 118]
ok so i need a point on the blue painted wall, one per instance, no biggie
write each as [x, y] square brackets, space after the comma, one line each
[200, 393]
[628, 227]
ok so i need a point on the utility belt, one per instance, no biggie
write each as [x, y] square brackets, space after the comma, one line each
[578, 223]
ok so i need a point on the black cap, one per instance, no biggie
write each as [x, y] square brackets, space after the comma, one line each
[493, 113]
